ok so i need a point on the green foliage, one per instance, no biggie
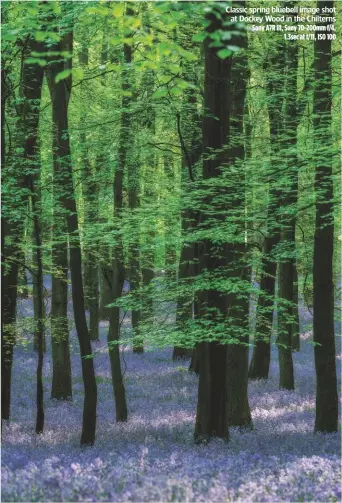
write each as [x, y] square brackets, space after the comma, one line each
[165, 104]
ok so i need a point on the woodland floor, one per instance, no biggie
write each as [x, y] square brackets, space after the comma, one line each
[153, 457]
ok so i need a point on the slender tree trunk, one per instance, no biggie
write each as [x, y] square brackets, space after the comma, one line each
[60, 93]
[61, 387]
[134, 262]
[295, 330]
[22, 280]
[185, 301]
[195, 361]
[134, 193]
[8, 332]
[260, 363]
[149, 195]
[105, 283]
[91, 204]
[36, 296]
[287, 236]
[190, 138]
[170, 223]
[32, 81]
[323, 322]
[61, 362]
[118, 269]
[11, 232]
[91, 272]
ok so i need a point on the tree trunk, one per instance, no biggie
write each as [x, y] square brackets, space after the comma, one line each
[11, 232]
[22, 280]
[149, 194]
[260, 363]
[238, 406]
[118, 269]
[32, 81]
[287, 236]
[190, 138]
[170, 223]
[212, 404]
[105, 283]
[8, 332]
[295, 329]
[61, 387]
[90, 191]
[185, 300]
[60, 93]
[61, 363]
[194, 363]
[134, 190]
[323, 322]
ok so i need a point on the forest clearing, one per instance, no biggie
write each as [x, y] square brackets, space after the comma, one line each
[171, 273]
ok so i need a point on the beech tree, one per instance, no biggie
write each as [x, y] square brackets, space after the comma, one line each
[60, 89]
[323, 290]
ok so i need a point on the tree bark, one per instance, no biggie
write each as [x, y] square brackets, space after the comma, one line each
[90, 192]
[105, 283]
[190, 137]
[149, 195]
[185, 301]
[11, 235]
[323, 322]
[295, 330]
[260, 363]
[287, 235]
[60, 93]
[238, 406]
[134, 194]
[61, 388]
[118, 268]
[170, 223]
[212, 404]
[32, 81]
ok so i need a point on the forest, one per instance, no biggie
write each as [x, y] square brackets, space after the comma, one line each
[171, 275]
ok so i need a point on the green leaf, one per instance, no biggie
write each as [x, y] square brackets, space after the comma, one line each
[176, 91]
[36, 61]
[10, 37]
[63, 75]
[233, 48]
[224, 53]
[115, 40]
[118, 9]
[164, 49]
[159, 93]
[78, 73]
[151, 65]
[199, 37]
[187, 55]
[102, 11]
[40, 36]
[227, 51]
